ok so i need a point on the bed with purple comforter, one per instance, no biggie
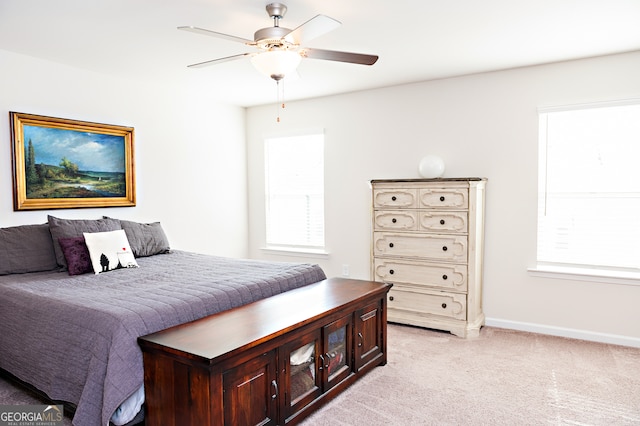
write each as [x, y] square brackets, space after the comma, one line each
[74, 337]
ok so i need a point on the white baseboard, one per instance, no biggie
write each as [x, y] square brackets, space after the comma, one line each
[572, 333]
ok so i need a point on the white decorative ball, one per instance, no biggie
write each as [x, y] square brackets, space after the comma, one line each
[431, 166]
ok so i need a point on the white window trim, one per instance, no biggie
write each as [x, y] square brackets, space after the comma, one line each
[584, 274]
[590, 105]
[296, 252]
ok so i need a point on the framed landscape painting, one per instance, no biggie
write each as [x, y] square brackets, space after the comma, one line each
[61, 164]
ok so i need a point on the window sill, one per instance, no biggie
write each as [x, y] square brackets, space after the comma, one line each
[296, 252]
[591, 275]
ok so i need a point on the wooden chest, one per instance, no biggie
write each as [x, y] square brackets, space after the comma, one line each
[270, 362]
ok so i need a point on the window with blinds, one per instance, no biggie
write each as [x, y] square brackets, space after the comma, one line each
[294, 168]
[589, 188]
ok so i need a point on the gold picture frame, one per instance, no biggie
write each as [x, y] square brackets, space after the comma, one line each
[66, 164]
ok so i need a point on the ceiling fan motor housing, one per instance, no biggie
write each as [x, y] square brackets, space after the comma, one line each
[271, 37]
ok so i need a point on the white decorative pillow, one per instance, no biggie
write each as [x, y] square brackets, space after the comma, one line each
[109, 250]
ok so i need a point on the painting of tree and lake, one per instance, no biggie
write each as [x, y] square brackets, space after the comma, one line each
[63, 163]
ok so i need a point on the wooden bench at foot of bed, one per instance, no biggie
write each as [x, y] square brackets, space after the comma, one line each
[274, 361]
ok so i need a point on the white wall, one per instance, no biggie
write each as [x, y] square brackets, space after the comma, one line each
[190, 153]
[482, 125]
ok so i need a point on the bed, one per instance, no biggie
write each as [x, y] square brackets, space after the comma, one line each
[73, 337]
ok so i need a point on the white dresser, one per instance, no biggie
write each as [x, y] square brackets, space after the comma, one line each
[428, 241]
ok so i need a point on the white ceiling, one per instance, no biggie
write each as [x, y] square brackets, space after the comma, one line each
[416, 40]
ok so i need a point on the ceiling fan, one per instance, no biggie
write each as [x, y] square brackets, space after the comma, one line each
[279, 49]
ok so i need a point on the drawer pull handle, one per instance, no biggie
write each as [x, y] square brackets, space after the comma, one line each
[360, 339]
[444, 277]
[391, 271]
[275, 388]
[328, 360]
[391, 245]
[444, 306]
[444, 248]
[394, 220]
[441, 221]
[321, 367]
[391, 298]
[393, 198]
[441, 198]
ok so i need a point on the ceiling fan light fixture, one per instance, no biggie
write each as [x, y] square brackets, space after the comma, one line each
[277, 63]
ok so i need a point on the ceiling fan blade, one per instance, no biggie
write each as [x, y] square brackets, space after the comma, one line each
[219, 60]
[314, 27]
[333, 55]
[216, 34]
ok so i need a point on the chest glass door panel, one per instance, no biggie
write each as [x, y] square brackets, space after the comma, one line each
[336, 358]
[304, 382]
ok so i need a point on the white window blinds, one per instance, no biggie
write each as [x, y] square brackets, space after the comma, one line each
[294, 167]
[589, 187]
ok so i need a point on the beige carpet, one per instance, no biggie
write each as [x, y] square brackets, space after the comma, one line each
[502, 377]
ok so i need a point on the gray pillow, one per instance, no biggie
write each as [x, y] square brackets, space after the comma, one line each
[145, 239]
[26, 248]
[69, 228]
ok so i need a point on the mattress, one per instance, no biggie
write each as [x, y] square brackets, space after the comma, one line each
[74, 337]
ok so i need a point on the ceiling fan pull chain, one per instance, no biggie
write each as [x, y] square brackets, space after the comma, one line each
[278, 99]
[282, 93]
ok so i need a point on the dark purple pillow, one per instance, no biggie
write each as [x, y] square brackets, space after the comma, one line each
[76, 254]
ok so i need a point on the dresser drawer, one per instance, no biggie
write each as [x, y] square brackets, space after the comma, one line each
[398, 197]
[449, 276]
[443, 221]
[425, 302]
[457, 198]
[396, 220]
[452, 248]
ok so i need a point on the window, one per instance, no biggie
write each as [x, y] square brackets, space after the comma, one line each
[294, 168]
[589, 189]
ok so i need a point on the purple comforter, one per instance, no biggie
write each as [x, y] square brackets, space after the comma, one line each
[74, 337]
